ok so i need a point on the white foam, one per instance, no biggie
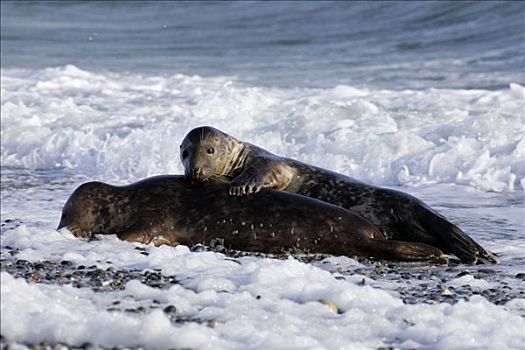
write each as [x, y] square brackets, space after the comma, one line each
[258, 303]
[120, 127]
[469, 280]
[78, 316]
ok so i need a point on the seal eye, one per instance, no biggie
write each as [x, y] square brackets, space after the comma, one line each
[184, 154]
[211, 150]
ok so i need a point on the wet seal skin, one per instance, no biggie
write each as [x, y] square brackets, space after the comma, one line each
[171, 210]
[210, 155]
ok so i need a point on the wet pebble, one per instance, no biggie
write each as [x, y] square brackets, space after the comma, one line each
[446, 292]
[330, 305]
[198, 248]
[66, 263]
[170, 309]
[5, 264]
[213, 323]
[219, 249]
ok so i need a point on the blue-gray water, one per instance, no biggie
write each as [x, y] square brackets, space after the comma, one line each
[392, 45]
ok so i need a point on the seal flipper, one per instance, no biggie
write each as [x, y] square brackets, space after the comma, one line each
[262, 172]
[400, 251]
[466, 248]
[138, 232]
[455, 240]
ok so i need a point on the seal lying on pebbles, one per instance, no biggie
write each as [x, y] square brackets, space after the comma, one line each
[209, 154]
[171, 210]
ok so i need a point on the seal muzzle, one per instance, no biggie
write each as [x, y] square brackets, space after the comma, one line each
[196, 174]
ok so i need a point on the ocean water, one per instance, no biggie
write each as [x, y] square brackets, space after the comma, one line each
[427, 98]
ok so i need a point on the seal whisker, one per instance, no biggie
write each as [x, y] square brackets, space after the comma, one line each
[201, 138]
[218, 178]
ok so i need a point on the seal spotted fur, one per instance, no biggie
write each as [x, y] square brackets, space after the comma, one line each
[170, 210]
[209, 154]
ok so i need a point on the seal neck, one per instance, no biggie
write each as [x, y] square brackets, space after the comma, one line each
[240, 156]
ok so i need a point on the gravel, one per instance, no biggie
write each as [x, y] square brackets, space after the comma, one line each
[413, 283]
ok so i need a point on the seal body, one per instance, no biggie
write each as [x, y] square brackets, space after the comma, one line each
[170, 210]
[209, 154]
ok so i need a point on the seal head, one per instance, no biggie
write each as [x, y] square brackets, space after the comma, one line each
[209, 154]
[92, 209]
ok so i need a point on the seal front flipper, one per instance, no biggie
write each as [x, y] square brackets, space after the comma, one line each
[144, 232]
[400, 251]
[262, 172]
[136, 233]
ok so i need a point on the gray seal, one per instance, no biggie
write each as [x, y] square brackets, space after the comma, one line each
[171, 210]
[210, 155]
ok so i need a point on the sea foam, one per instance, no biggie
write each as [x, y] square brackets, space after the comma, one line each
[259, 303]
[123, 126]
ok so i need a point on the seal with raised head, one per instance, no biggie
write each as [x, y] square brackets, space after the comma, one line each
[170, 210]
[209, 154]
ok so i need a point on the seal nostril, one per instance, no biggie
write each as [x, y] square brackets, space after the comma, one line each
[195, 173]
